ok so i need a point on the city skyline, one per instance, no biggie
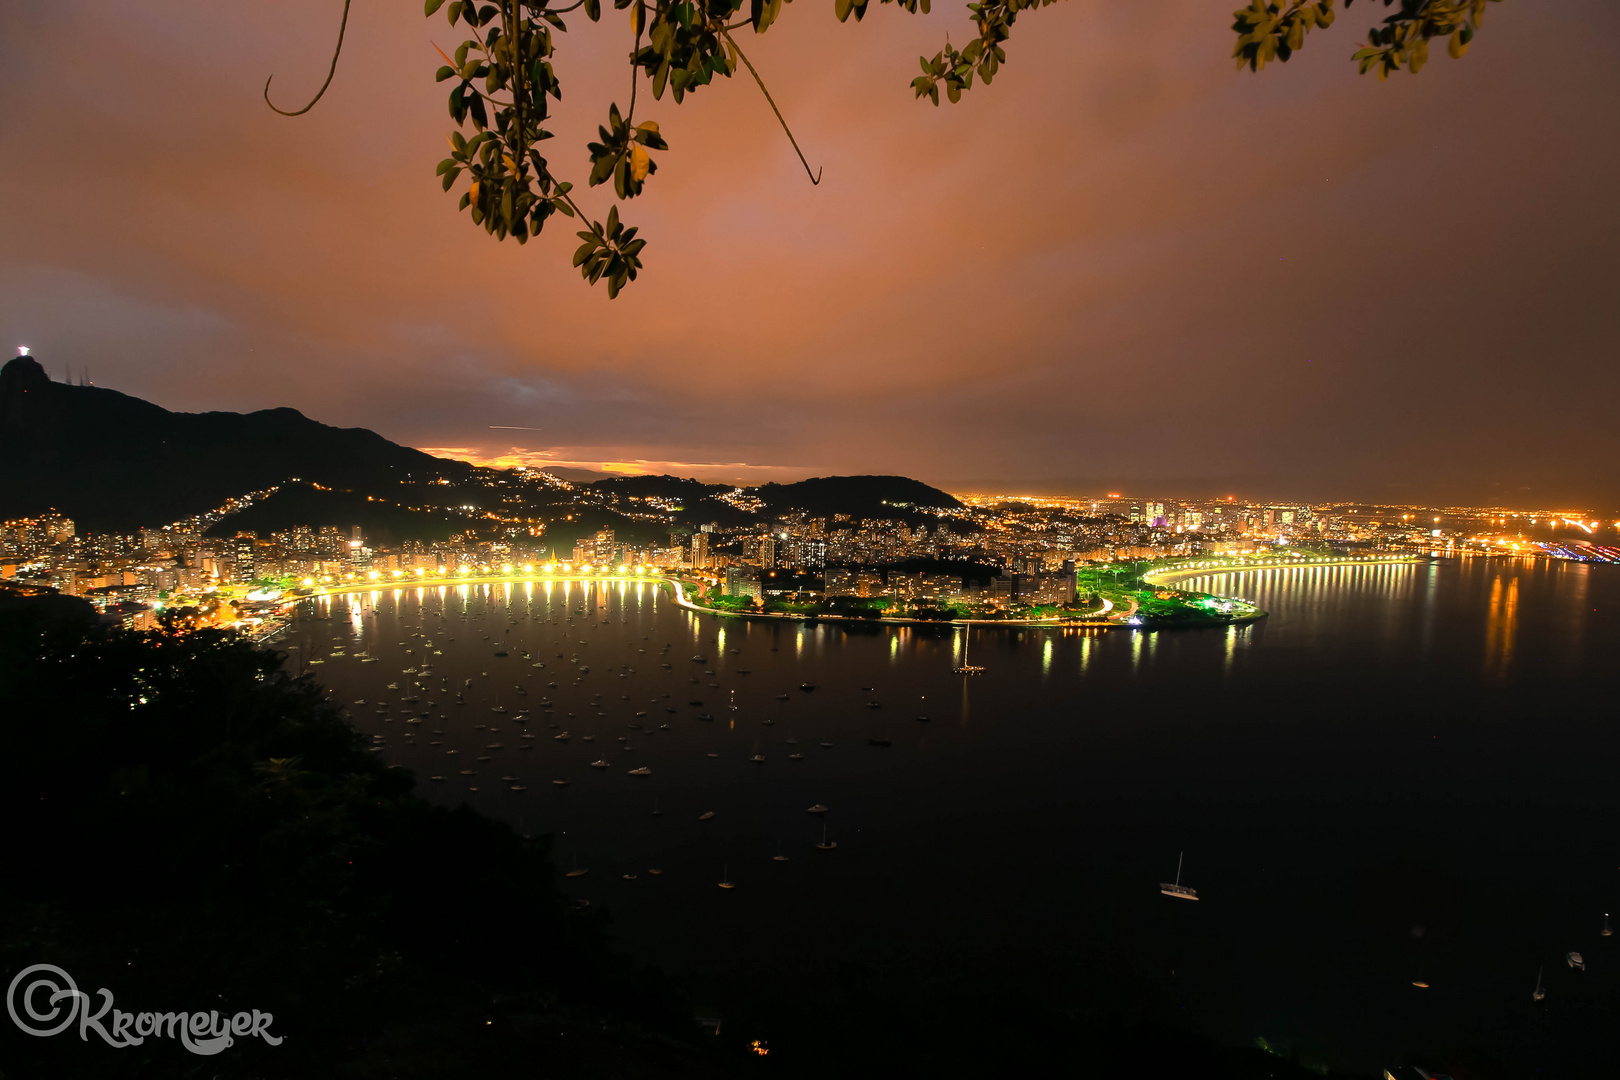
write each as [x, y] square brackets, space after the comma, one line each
[1255, 490]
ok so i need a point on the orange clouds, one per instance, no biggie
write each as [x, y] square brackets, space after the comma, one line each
[1115, 261]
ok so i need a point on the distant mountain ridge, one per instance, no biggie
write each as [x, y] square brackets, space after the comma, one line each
[859, 496]
[114, 462]
[893, 497]
[661, 486]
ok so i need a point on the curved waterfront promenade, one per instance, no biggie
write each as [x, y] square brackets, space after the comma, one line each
[1237, 563]
[1108, 616]
[1099, 619]
[449, 581]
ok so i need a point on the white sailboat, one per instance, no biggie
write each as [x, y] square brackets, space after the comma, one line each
[966, 668]
[1177, 889]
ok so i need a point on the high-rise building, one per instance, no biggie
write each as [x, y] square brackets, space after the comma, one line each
[767, 552]
[700, 550]
[840, 583]
[358, 555]
[243, 560]
[596, 550]
[58, 528]
[741, 581]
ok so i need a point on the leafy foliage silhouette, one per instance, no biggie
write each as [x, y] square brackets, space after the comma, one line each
[504, 83]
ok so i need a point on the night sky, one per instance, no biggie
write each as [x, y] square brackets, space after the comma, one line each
[1122, 265]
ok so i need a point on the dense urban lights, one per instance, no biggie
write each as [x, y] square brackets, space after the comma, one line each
[1030, 546]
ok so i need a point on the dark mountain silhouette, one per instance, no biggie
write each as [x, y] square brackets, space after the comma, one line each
[668, 487]
[114, 462]
[697, 501]
[383, 521]
[577, 476]
[859, 496]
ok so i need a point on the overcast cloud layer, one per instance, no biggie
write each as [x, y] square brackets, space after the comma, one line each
[1122, 264]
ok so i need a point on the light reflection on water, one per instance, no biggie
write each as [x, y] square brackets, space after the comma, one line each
[1334, 771]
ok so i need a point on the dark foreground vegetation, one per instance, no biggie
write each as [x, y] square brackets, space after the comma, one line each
[195, 830]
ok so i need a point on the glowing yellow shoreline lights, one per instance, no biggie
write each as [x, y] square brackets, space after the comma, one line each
[468, 573]
[1163, 574]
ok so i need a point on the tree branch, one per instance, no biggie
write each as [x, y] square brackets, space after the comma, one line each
[815, 178]
[344, 26]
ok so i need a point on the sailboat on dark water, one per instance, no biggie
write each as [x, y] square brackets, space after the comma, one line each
[965, 668]
[1176, 888]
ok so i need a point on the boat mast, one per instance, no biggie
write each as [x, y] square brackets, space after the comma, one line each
[1179, 857]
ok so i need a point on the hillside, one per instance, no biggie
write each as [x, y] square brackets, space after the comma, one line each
[666, 487]
[114, 462]
[858, 496]
[385, 522]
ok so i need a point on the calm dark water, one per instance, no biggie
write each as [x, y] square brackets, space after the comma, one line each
[1405, 773]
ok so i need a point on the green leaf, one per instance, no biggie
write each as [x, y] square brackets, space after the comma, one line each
[431, 6]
